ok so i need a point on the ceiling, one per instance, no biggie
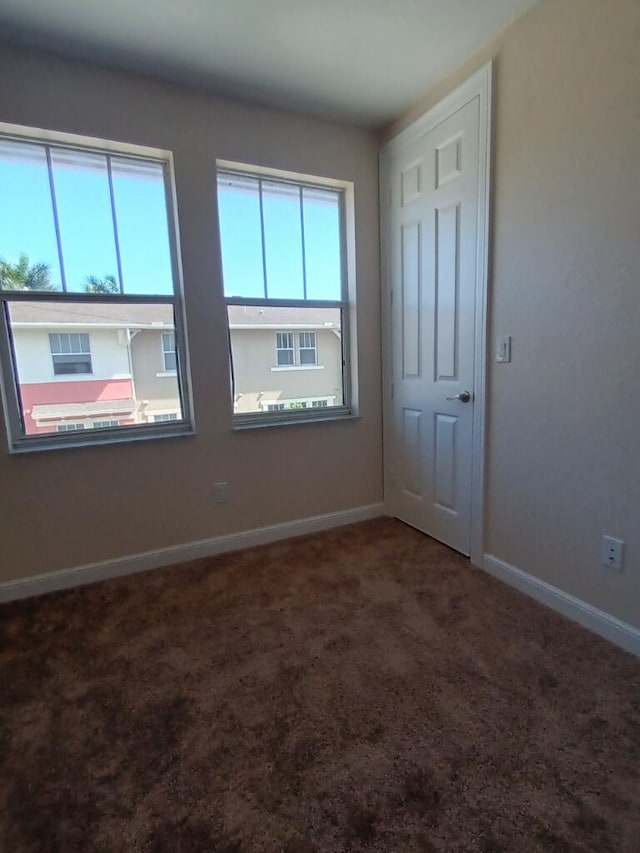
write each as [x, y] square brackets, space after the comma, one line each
[361, 61]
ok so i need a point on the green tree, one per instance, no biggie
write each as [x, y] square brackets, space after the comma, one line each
[25, 276]
[108, 284]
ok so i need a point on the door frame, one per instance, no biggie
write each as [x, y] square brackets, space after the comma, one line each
[479, 85]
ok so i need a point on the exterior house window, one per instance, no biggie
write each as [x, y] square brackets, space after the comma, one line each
[70, 352]
[163, 418]
[283, 242]
[284, 349]
[88, 278]
[169, 351]
[288, 356]
[307, 348]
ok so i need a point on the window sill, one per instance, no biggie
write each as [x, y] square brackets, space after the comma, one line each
[286, 367]
[258, 420]
[88, 438]
[162, 373]
[86, 377]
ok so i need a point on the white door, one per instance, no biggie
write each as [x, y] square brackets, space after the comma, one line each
[433, 268]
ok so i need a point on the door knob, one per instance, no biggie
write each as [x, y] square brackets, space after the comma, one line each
[463, 396]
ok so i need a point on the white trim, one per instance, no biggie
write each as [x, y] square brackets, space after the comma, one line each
[286, 367]
[93, 572]
[286, 327]
[598, 621]
[479, 85]
[164, 373]
[250, 169]
[93, 143]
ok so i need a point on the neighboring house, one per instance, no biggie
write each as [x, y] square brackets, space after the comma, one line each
[285, 358]
[89, 366]
[93, 366]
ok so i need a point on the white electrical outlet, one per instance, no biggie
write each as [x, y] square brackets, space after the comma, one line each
[221, 493]
[612, 553]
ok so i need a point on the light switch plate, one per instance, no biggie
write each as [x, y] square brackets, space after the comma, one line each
[503, 349]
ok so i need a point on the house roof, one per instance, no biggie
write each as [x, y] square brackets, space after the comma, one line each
[144, 316]
[70, 410]
[261, 317]
[119, 315]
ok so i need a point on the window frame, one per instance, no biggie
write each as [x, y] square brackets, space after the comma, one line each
[313, 349]
[18, 441]
[346, 304]
[86, 352]
[291, 349]
[168, 371]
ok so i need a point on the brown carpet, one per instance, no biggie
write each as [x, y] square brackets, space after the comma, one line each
[361, 689]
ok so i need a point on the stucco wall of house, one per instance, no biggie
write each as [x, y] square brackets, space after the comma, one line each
[109, 359]
[255, 356]
[159, 392]
[137, 510]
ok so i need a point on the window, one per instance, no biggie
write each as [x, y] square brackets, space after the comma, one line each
[165, 417]
[296, 404]
[70, 352]
[282, 244]
[88, 261]
[307, 348]
[169, 351]
[284, 348]
[288, 355]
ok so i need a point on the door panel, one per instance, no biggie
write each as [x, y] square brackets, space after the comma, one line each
[434, 222]
[411, 300]
[412, 452]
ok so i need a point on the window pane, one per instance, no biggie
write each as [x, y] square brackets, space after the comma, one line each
[260, 381]
[170, 361]
[85, 217]
[143, 232]
[101, 367]
[240, 236]
[323, 257]
[283, 240]
[28, 247]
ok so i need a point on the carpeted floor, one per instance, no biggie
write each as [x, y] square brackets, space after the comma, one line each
[361, 689]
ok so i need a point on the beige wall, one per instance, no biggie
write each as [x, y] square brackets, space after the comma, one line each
[90, 504]
[564, 416]
[161, 392]
[255, 354]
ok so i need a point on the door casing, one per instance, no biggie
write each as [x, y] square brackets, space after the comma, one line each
[479, 85]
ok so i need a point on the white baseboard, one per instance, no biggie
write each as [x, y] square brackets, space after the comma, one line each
[93, 572]
[607, 626]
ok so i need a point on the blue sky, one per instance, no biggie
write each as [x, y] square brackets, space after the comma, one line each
[87, 234]
[86, 225]
[239, 210]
